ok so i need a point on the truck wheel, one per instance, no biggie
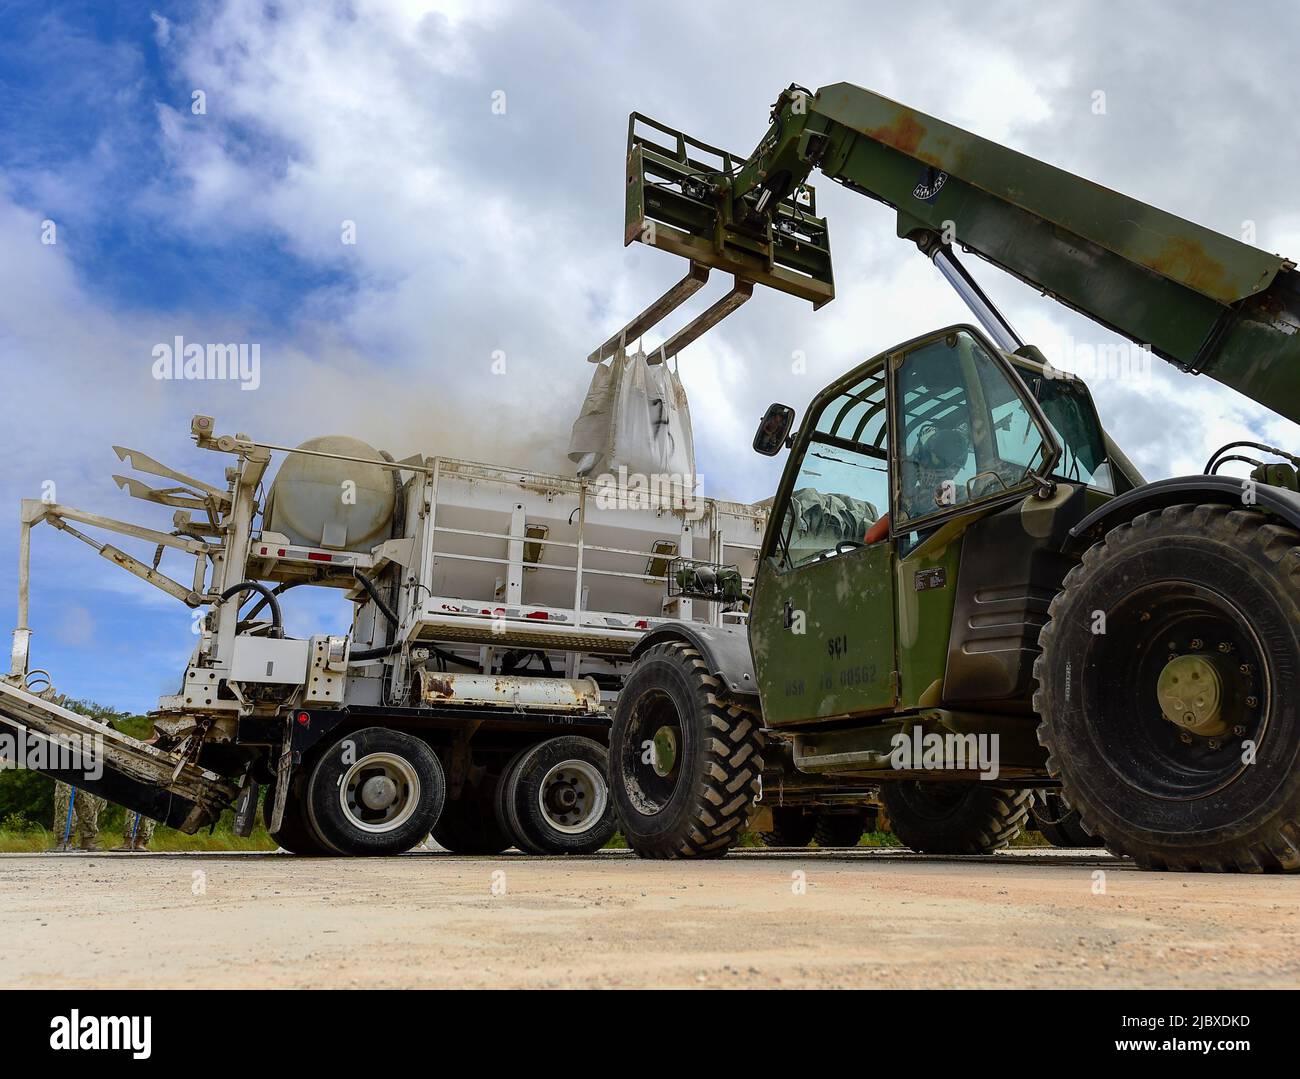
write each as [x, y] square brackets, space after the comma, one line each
[468, 825]
[1058, 823]
[296, 834]
[504, 791]
[1174, 727]
[840, 829]
[684, 760]
[969, 817]
[376, 791]
[791, 827]
[555, 798]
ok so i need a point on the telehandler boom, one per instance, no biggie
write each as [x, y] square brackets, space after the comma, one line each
[966, 590]
[1203, 301]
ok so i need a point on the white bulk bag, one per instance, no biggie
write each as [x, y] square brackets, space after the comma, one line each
[635, 416]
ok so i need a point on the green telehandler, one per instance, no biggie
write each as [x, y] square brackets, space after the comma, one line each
[966, 591]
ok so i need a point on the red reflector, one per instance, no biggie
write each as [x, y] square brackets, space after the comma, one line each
[316, 556]
[538, 614]
[264, 550]
[304, 718]
[643, 624]
[280, 552]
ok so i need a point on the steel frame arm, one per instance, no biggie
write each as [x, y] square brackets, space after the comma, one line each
[1203, 301]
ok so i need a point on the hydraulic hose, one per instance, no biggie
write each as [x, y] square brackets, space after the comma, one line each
[1245, 443]
[279, 590]
[383, 651]
[387, 611]
[277, 621]
[380, 602]
[374, 653]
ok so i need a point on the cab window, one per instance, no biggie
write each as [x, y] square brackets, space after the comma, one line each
[842, 486]
[964, 432]
[1069, 409]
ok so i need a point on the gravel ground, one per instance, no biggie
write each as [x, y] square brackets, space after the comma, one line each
[756, 918]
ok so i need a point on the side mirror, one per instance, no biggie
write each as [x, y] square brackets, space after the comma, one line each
[774, 430]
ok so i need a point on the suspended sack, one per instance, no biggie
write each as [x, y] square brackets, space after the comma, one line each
[635, 416]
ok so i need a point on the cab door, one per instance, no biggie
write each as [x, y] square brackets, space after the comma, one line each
[940, 427]
[822, 619]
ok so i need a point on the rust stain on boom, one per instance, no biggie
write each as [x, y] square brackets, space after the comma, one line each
[903, 133]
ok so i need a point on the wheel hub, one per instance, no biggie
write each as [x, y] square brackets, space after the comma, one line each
[378, 792]
[573, 796]
[663, 751]
[1190, 692]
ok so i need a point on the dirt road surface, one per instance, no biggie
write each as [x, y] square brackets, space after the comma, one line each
[760, 918]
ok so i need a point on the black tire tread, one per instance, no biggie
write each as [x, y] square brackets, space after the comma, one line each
[996, 817]
[1277, 851]
[733, 765]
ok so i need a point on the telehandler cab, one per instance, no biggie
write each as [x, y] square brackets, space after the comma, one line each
[966, 591]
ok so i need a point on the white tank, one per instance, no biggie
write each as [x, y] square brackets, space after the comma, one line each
[340, 505]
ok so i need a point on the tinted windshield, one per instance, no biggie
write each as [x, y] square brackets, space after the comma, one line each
[1070, 411]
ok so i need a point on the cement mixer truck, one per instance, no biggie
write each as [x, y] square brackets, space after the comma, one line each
[495, 610]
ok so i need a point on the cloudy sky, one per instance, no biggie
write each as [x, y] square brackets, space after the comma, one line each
[481, 231]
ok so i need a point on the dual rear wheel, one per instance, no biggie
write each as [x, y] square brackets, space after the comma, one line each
[380, 791]
[553, 797]
[374, 791]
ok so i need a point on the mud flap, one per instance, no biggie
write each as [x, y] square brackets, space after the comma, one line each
[246, 807]
[283, 770]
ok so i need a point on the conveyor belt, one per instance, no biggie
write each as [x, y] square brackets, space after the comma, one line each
[124, 770]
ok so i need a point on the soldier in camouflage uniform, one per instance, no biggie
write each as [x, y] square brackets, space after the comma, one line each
[84, 833]
[137, 830]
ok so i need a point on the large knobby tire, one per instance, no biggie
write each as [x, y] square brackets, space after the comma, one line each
[954, 817]
[685, 760]
[840, 829]
[296, 834]
[1209, 597]
[468, 824]
[376, 791]
[554, 797]
[792, 826]
[1058, 823]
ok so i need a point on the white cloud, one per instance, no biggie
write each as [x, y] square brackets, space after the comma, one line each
[478, 232]
[162, 28]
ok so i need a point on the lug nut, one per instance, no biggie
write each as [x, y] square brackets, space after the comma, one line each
[1185, 738]
[1197, 644]
[1225, 647]
[1239, 730]
[1251, 702]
